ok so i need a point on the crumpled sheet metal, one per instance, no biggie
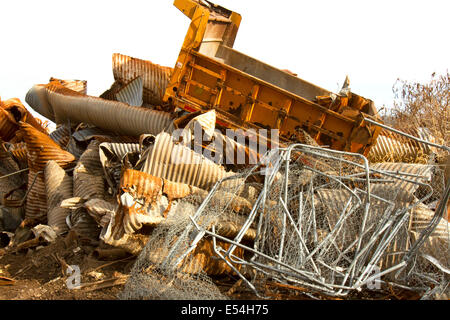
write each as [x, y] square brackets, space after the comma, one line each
[101, 210]
[61, 135]
[72, 84]
[86, 134]
[8, 125]
[220, 148]
[112, 116]
[392, 147]
[155, 77]
[41, 148]
[131, 93]
[59, 186]
[141, 200]
[111, 155]
[18, 152]
[88, 183]
[177, 163]
[146, 200]
[12, 111]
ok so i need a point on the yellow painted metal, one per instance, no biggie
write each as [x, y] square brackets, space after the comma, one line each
[247, 93]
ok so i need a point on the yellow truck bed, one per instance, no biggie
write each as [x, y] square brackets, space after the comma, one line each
[247, 93]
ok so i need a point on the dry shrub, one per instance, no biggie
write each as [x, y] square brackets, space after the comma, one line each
[424, 105]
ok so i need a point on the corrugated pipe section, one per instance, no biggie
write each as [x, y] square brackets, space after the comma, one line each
[112, 116]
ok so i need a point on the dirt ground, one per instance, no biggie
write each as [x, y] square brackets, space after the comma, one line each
[40, 273]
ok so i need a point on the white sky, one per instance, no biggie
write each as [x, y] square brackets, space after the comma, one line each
[374, 42]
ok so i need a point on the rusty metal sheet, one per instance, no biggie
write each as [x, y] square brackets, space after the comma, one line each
[41, 148]
[8, 126]
[111, 155]
[141, 200]
[59, 186]
[141, 185]
[11, 187]
[72, 84]
[18, 112]
[155, 77]
[177, 163]
[392, 147]
[218, 147]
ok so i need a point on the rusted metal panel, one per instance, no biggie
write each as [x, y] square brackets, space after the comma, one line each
[178, 163]
[19, 113]
[155, 77]
[59, 186]
[141, 200]
[8, 126]
[111, 155]
[73, 84]
[41, 148]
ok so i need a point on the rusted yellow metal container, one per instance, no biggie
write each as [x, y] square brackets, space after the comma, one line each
[249, 94]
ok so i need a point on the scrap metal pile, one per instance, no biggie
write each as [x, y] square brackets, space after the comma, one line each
[131, 170]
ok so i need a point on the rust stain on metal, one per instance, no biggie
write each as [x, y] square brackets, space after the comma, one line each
[41, 148]
[141, 185]
[75, 85]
